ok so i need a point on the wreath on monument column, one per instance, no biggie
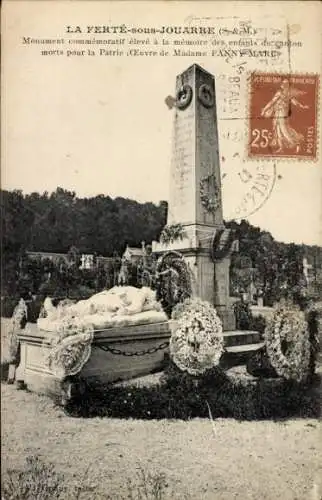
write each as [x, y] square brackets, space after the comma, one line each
[210, 202]
[184, 96]
[221, 245]
[206, 96]
[173, 280]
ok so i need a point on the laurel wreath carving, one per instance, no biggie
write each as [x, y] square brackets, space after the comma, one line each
[209, 193]
[206, 96]
[184, 96]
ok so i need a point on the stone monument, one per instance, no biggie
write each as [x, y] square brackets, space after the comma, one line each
[195, 203]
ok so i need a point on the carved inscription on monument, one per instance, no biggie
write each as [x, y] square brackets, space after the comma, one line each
[182, 181]
[222, 284]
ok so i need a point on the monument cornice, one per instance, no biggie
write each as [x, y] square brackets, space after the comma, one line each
[200, 68]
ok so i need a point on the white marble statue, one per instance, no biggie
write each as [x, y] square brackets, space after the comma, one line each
[105, 308]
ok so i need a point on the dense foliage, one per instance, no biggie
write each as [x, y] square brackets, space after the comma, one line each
[273, 267]
[60, 221]
[213, 395]
[57, 221]
[245, 320]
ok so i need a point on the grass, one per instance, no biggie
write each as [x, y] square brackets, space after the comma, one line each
[39, 481]
[199, 459]
[36, 481]
[45, 452]
[216, 394]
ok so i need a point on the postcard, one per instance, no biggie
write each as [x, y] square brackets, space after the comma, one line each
[211, 109]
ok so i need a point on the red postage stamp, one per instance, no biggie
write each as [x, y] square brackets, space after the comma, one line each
[283, 116]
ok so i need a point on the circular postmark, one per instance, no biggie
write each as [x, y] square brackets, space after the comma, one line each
[247, 184]
[248, 189]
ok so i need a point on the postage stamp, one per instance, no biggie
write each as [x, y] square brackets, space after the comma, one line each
[283, 116]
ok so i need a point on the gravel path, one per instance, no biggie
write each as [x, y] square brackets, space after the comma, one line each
[222, 460]
[202, 460]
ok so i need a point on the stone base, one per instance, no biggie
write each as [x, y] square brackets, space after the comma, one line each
[227, 317]
[103, 365]
[267, 312]
[241, 338]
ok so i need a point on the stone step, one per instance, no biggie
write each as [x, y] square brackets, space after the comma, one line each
[240, 349]
[241, 337]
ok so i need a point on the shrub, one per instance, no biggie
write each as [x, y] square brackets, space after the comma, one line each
[243, 316]
[38, 481]
[148, 487]
[8, 305]
[314, 320]
[259, 365]
[258, 323]
[180, 395]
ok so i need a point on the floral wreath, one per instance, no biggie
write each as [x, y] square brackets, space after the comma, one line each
[219, 251]
[70, 348]
[173, 280]
[196, 343]
[206, 96]
[184, 96]
[18, 322]
[171, 233]
[287, 342]
[210, 203]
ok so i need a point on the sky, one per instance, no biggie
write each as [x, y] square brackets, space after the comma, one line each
[100, 125]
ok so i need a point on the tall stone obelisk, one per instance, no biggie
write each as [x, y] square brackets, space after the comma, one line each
[195, 184]
[195, 171]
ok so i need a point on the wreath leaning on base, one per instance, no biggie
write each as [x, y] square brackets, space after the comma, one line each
[287, 342]
[196, 343]
[18, 322]
[70, 348]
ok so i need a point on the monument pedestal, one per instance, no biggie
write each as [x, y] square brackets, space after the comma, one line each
[222, 297]
[209, 280]
[227, 316]
[194, 247]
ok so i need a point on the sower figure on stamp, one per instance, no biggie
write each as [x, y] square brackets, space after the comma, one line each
[279, 107]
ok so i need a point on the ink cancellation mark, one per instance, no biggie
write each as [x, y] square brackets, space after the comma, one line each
[258, 183]
[283, 116]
